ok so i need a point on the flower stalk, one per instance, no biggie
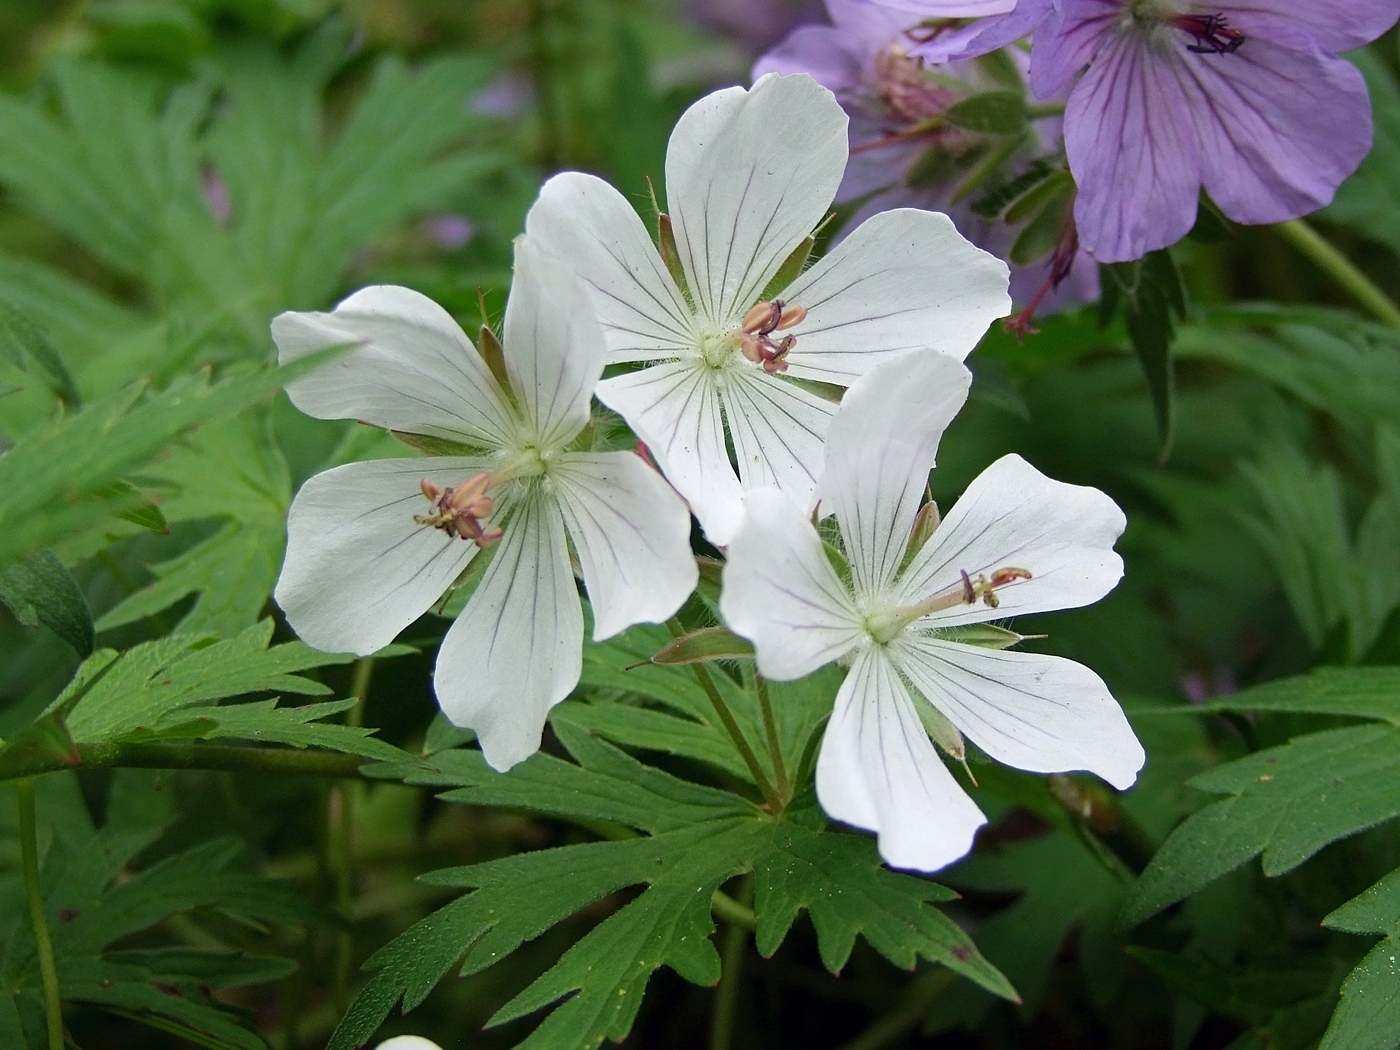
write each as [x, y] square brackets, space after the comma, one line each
[1320, 252]
[741, 744]
[43, 945]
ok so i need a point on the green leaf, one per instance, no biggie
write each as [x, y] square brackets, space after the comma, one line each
[704, 645]
[1151, 296]
[234, 472]
[695, 838]
[163, 689]
[39, 590]
[1357, 692]
[1285, 803]
[839, 881]
[23, 344]
[93, 900]
[58, 483]
[1252, 995]
[1369, 1012]
[991, 113]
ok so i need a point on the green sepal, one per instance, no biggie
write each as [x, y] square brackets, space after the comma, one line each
[491, 351]
[671, 254]
[791, 269]
[703, 646]
[987, 635]
[926, 523]
[431, 445]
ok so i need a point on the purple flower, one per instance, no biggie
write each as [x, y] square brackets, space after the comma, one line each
[901, 154]
[1250, 102]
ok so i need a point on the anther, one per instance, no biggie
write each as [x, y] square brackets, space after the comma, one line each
[758, 325]
[460, 509]
[1212, 33]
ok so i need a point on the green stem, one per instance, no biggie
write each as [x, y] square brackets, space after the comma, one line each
[770, 730]
[732, 912]
[736, 734]
[29, 859]
[736, 937]
[1040, 110]
[1327, 258]
[278, 760]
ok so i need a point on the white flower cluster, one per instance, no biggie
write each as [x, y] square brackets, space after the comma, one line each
[727, 341]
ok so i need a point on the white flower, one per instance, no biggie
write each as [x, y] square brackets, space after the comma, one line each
[372, 545]
[408, 1042]
[1017, 542]
[749, 175]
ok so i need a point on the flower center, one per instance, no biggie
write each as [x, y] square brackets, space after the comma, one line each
[1211, 34]
[717, 349]
[884, 625]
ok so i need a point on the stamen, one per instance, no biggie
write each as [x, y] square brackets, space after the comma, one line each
[460, 509]
[1212, 33]
[762, 320]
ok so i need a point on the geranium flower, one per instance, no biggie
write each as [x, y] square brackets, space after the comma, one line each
[371, 546]
[1247, 99]
[749, 175]
[408, 1042]
[1017, 542]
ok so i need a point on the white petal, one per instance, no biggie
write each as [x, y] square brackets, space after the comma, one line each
[553, 345]
[1039, 713]
[674, 409]
[588, 224]
[1013, 516]
[359, 569]
[877, 770]
[516, 650]
[632, 535]
[880, 448]
[408, 1042]
[749, 174]
[782, 594]
[904, 280]
[778, 431]
[414, 370]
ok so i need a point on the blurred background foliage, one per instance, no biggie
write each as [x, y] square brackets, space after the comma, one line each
[175, 172]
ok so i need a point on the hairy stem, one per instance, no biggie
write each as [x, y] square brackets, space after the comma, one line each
[736, 938]
[1327, 258]
[707, 683]
[278, 760]
[770, 730]
[43, 946]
